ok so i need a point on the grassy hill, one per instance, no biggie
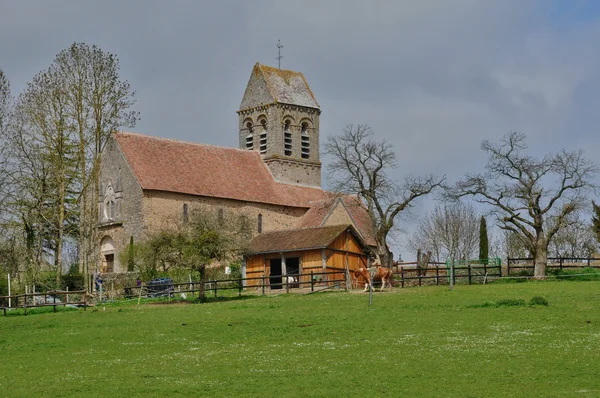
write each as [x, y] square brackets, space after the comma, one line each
[474, 341]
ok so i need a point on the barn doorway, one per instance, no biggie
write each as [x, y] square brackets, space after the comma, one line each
[292, 268]
[275, 274]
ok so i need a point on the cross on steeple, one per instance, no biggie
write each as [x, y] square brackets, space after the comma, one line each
[279, 56]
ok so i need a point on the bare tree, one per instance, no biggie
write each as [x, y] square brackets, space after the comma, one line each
[45, 140]
[360, 166]
[450, 232]
[575, 239]
[4, 114]
[98, 102]
[530, 197]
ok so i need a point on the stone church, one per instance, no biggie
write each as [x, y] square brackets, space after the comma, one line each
[272, 181]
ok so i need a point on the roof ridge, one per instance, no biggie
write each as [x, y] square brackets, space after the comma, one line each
[305, 229]
[176, 141]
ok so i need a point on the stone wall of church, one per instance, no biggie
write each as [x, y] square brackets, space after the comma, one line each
[293, 172]
[129, 219]
[166, 209]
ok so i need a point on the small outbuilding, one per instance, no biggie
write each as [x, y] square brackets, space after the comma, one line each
[298, 252]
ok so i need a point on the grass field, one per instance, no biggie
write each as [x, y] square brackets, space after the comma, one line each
[417, 342]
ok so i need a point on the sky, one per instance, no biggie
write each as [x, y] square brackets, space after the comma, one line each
[432, 77]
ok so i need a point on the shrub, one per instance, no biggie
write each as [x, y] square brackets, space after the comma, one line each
[510, 302]
[538, 300]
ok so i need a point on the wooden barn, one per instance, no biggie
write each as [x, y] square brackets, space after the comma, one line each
[300, 251]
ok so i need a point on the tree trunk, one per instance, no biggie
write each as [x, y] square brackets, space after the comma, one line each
[541, 258]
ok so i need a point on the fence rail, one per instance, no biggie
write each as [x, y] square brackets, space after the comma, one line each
[288, 282]
[440, 275]
[526, 263]
[50, 299]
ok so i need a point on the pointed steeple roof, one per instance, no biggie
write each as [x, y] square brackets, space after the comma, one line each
[268, 85]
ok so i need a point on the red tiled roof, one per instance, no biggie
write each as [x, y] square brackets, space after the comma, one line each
[298, 239]
[320, 210]
[361, 218]
[175, 166]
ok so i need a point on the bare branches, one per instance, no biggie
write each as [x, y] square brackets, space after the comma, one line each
[360, 166]
[450, 231]
[531, 197]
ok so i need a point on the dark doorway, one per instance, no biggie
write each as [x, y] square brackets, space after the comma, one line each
[275, 276]
[110, 262]
[292, 268]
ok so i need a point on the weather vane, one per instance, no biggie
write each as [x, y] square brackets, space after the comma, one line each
[279, 56]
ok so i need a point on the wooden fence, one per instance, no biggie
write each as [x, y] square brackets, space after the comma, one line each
[50, 299]
[515, 265]
[408, 274]
[317, 281]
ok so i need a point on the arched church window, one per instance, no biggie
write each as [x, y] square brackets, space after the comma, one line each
[110, 210]
[263, 136]
[260, 225]
[305, 141]
[185, 213]
[287, 138]
[250, 137]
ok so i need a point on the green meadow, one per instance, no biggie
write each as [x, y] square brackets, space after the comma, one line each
[473, 341]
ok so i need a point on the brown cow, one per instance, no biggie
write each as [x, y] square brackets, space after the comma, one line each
[382, 274]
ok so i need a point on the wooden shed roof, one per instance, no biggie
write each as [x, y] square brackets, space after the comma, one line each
[300, 239]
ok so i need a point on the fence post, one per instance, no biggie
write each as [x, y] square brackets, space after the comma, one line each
[215, 289]
[469, 271]
[560, 263]
[485, 267]
[508, 266]
[240, 284]
[312, 282]
[402, 276]
[263, 284]
[437, 274]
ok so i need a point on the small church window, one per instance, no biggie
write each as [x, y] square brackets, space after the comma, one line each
[260, 225]
[110, 210]
[305, 141]
[263, 137]
[287, 138]
[250, 137]
[185, 213]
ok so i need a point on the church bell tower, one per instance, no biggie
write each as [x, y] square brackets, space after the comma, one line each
[279, 118]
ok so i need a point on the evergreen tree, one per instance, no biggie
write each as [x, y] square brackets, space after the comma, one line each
[596, 221]
[483, 240]
[130, 257]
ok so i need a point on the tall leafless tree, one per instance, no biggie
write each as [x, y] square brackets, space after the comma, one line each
[362, 166]
[4, 114]
[450, 232]
[98, 102]
[60, 124]
[531, 197]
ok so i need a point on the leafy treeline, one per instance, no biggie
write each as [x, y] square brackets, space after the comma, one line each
[52, 135]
